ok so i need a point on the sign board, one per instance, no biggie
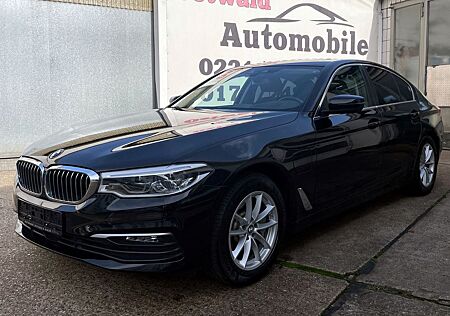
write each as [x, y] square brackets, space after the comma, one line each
[199, 38]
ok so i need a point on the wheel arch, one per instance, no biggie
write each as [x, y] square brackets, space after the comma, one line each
[282, 179]
[431, 132]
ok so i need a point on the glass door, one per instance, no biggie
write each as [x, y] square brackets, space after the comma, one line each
[408, 49]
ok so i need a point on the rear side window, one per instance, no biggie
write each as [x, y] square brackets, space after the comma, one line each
[423, 102]
[388, 87]
[404, 89]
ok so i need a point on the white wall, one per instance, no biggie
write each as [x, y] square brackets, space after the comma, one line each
[62, 64]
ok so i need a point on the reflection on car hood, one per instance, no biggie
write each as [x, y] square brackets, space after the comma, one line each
[136, 133]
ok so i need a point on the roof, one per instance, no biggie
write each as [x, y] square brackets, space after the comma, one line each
[309, 62]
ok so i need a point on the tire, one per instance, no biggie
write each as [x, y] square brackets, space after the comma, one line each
[236, 235]
[425, 168]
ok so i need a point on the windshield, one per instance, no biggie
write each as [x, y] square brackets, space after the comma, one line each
[274, 88]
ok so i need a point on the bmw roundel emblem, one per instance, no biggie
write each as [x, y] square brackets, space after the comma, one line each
[56, 153]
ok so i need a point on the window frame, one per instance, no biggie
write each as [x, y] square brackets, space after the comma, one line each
[318, 108]
[373, 88]
[368, 97]
[316, 111]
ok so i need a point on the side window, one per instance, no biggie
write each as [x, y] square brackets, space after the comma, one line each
[349, 80]
[423, 102]
[404, 89]
[388, 87]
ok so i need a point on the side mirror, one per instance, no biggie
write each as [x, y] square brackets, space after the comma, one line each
[174, 98]
[345, 104]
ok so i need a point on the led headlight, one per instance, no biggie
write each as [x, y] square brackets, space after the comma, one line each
[153, 182]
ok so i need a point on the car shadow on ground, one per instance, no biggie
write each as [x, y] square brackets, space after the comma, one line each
[195, 280]
[341, 220]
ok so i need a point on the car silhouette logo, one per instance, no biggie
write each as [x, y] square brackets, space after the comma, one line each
[330, 16]
[55, 154]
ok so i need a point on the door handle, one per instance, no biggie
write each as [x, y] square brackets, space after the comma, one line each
[374, 123]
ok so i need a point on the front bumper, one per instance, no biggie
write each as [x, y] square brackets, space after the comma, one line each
[109, 257]
[176, 230]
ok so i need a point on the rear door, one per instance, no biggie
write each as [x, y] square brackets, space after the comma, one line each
[348, 145]
[401, 126]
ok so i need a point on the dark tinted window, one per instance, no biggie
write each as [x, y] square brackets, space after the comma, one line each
[350, 81]
[388, 87]
[404, 89]
[423, 102]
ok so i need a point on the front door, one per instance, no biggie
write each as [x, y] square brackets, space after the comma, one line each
[348, 145]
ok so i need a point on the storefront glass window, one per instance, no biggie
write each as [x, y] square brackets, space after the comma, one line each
[439, 26]
[407, 42]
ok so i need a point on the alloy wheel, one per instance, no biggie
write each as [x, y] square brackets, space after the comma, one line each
[253, 231]
[427, 165]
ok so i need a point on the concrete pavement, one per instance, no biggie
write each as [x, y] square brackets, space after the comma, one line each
[391, 256]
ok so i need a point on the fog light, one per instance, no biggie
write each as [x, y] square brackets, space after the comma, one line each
[138, 239]
[144, 239]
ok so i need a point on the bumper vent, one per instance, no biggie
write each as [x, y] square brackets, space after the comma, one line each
[30, 174]
[58, 183]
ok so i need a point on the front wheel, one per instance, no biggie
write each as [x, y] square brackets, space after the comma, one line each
[247, 230]
[425, 169]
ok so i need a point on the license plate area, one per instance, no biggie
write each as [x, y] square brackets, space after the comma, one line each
[42, 219]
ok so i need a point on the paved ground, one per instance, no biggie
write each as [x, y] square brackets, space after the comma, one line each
[389, 257]
[447, 140]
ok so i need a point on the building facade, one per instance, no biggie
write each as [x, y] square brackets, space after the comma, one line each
[415, 41]
[66, 62]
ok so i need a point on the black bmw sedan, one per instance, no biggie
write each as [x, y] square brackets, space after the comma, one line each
[220, 176]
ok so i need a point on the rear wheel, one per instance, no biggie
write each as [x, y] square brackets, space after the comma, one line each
[425, 170]
[247, 230]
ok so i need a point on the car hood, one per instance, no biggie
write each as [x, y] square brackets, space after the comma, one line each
[156, 137]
